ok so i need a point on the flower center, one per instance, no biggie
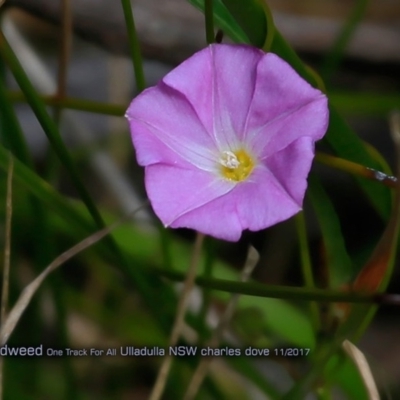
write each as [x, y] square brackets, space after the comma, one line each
[236, 166]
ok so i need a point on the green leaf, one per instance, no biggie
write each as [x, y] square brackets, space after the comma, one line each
[365, 103]
[224, 20]
[339, 263]
[347, 377]
[250, 16]
[336, 53]
[281, 317]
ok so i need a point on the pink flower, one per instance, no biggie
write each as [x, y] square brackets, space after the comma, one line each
[227, 140]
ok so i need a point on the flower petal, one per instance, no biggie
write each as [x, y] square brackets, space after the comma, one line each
[291, 167]
[224, 100]
[254, 204]
[166, 129]
[262, 201]
[217, 218]
[175, 191]
[309, 120]
[284, 107]
[219, 82]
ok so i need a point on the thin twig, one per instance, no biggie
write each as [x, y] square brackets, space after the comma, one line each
[7, 254]
[202, 368]
[162, 376]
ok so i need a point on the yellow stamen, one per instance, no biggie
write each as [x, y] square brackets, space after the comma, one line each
[236, 165]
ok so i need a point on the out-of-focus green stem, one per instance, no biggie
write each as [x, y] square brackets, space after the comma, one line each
[165, 242]
[134, 45]
[306, 266]
[74, 104]
[207, 273]
[65, 48]
[356, 169]
[270, 27]
[368, 103]
[364, 103]
[48, 126]
[277, 291]
[209, 21]
[334, 57]
[12, 130]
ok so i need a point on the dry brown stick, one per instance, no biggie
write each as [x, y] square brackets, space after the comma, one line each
[162, 376]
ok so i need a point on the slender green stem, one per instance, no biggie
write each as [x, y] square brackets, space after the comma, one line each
[48, 126]
[282, 292]
[12, 131]
[74, 104]
[270, 27]
[366, 103]
[134, 45]
[209, 21]
[356, 169]
[306, 266]
[334, 57]
[65, 48]
[207, 273]
[165, 242]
